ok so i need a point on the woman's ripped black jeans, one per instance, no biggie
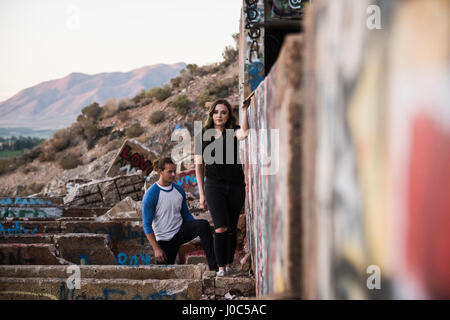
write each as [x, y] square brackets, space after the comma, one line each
[225, 201]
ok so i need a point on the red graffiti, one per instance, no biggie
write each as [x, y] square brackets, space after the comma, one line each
[429, 207]
[137, 160]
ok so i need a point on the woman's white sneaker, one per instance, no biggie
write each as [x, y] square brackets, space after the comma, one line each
[220, 273]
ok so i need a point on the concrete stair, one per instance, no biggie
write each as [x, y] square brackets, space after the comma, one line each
[115, 259]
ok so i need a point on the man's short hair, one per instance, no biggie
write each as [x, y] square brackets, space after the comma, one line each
[161, 163]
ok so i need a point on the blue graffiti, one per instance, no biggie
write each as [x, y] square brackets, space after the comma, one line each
[18, 229]
[83, 260]
[255, 74]
[29, 201]
[122, 259]
[186, 180]
[9, 212]
[107, 294]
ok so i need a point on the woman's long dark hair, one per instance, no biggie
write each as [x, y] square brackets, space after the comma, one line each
[231, 122]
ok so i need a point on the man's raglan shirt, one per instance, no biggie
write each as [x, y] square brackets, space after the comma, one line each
[163, 210]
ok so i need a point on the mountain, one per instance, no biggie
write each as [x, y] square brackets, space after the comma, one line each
[57, 103]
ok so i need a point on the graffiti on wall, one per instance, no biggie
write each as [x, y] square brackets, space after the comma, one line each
[114, 294]
[264, 205]
[188, 181]
[21, 212]
[18, 229]
[132, 157]
[380, 153]
[30, 207]
[254, 42]
[285, 9]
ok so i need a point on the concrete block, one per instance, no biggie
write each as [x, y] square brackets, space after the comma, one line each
[158, 272]
[100, 289]
[127, 208]
[26, 238]
[94, 249]
[208, 282]
[196, 259]
[132, 156]
[244, 286]
[37, 254]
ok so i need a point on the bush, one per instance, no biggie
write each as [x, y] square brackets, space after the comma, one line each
[7, 166]
[69, 161]
[93, 111]
[139, 97]
[159, 93]
[135, 130]
[114, 145]
[61, 139]
[110, 108]
[103, 141]
[222, 89]
[229, 55]
[204, 96]
[33, 188]
[156, 117]
[91, 133]
[48, 153]
[125, 104]
[29, 168]
[123, 116]
[181, 104]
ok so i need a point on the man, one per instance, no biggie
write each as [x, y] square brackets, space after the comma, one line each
[167, 221]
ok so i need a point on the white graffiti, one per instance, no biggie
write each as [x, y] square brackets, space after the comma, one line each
[295, 4]
[128, 169]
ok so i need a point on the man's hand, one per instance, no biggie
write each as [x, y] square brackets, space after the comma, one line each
[160, 256]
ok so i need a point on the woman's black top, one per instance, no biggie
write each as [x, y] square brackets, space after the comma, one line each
[223, 172]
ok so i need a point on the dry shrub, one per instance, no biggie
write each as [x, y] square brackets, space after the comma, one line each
[156, 117]
[135, 130]
[69, 161]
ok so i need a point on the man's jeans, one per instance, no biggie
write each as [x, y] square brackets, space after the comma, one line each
[190, 230]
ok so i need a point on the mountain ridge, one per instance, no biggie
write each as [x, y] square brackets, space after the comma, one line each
[56, 103]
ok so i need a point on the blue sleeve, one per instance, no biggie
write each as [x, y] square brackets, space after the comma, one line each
[185, 213]
[149, 203]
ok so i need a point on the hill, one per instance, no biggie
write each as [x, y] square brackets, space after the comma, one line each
[56, 103]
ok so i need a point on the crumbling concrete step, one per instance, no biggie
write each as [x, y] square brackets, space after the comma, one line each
[84, 211]
[127, 238]
[26, 238]
[29, 226]
[159, 272]
[241, 286]
[39, 254]
[85, 248]
[99, 289]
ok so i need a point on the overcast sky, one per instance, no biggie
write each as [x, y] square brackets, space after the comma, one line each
[48, 39]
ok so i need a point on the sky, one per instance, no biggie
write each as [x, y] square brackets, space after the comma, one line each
[49, 39]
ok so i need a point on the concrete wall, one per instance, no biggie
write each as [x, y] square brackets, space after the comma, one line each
[272, 204]
[359, 205]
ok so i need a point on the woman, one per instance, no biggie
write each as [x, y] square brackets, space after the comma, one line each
[224, 189]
